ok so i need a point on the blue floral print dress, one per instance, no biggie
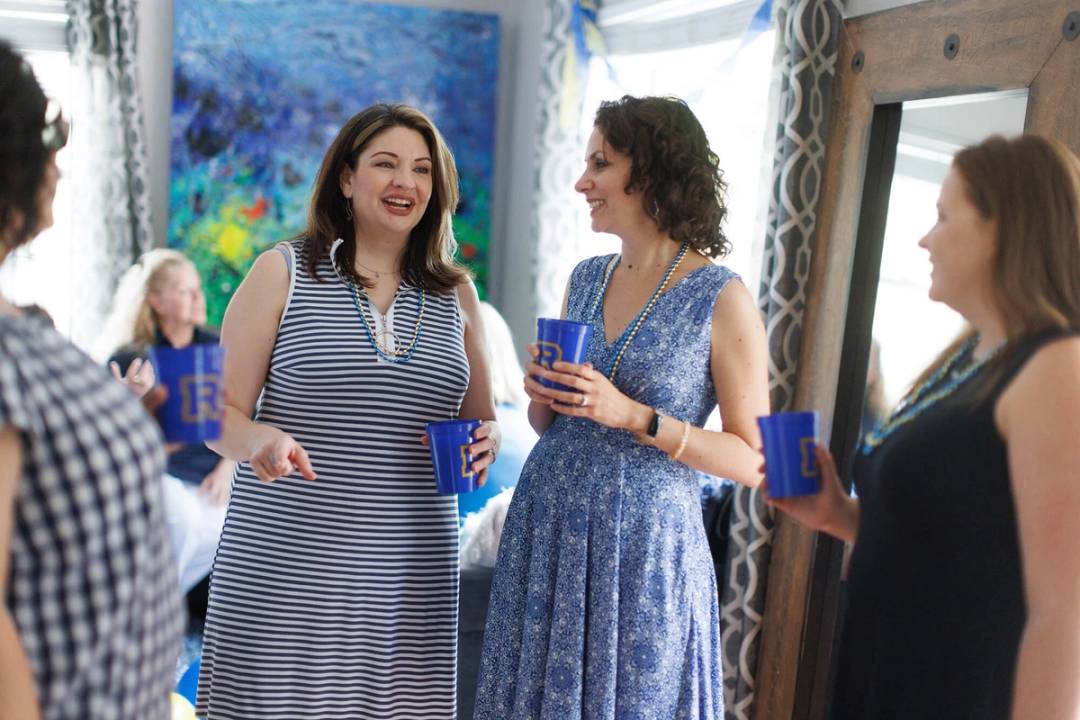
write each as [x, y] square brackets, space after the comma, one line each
[604, 602]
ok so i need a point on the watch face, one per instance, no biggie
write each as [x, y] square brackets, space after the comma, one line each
[654, 425]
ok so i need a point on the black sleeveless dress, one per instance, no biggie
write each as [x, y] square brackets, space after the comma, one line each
[935, 588]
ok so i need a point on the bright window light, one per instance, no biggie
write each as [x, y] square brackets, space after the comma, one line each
[40, 272]
[727, 86]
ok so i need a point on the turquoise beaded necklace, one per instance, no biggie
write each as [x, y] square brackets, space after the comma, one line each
[942, 382]
[391, 355]
[639, 319]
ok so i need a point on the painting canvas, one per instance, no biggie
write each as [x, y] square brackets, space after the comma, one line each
[261, 88]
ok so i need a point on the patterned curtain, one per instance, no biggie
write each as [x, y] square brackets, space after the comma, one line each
[112, 206]
[558, 160]
[808, 31]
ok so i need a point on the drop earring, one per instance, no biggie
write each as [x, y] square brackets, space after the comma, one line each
[348, 209]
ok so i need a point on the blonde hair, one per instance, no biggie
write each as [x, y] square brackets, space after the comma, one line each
[132, 321]
[506, 371]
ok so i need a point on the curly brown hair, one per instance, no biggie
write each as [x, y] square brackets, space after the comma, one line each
[23, 155]
[678, 175]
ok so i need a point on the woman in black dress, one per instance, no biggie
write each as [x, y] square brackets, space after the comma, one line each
[964, 585]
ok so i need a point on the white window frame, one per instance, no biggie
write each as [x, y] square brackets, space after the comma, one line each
[34, 24]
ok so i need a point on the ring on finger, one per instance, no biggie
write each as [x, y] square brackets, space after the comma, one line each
[584, 400]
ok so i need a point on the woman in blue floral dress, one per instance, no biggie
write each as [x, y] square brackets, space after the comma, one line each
[604, 602]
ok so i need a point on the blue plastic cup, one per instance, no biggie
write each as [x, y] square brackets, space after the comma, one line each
[563, 340]
[449, 441]
[195, 406]
[789, 440]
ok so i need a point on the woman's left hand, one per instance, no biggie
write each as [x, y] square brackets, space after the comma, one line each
[485, 447]
[593, 396]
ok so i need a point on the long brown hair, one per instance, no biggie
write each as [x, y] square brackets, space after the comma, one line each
[1029, 186]
[429, 258]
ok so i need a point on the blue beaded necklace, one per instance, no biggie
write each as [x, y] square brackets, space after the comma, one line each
[391, 355]
[928, 393]
[639, 319]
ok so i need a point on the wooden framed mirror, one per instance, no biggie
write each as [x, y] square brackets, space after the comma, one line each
[959, 49]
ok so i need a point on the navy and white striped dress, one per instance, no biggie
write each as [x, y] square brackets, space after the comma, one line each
[337, 598]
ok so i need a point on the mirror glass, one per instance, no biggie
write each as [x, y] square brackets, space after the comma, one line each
[909, 328]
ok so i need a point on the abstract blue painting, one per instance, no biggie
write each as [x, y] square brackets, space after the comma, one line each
[260, 88]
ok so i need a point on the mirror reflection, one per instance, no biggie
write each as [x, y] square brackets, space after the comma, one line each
[909, 328]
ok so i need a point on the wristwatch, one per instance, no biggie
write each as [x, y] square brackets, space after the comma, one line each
[654, 424]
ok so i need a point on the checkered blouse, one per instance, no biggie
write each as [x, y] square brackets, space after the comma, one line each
[92, 587]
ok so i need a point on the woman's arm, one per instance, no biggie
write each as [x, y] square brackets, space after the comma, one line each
[16, 681]
[248, 334]
[1038, 415]
[831, 510]
[478, 402]
[739, 371]
[217, 485]
[539, 412]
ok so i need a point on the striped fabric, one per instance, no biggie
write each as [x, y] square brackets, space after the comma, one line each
[337, 598]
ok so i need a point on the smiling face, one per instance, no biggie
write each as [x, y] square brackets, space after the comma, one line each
[391, 185]
[603, 184]
[962, 245]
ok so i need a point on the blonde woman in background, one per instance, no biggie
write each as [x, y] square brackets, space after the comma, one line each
[160, 303]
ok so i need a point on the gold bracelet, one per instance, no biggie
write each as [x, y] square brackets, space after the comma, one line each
[682, 442]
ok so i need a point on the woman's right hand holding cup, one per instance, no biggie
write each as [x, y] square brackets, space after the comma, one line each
[533, 369]
[831, 510]
[278, 455]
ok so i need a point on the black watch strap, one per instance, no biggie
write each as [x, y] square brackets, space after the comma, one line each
[654, 424]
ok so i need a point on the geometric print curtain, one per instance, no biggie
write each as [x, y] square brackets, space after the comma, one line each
[558, 164]
[109, 162]
[808, 32]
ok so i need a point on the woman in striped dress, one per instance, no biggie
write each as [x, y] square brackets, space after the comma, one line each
[334, 593]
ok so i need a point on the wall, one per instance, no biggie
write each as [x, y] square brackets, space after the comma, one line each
[521, 23]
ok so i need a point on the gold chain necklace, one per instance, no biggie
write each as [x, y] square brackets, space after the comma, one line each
[378, 274]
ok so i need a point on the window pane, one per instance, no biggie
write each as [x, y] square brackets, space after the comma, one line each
[40, 272]
[728, 90]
